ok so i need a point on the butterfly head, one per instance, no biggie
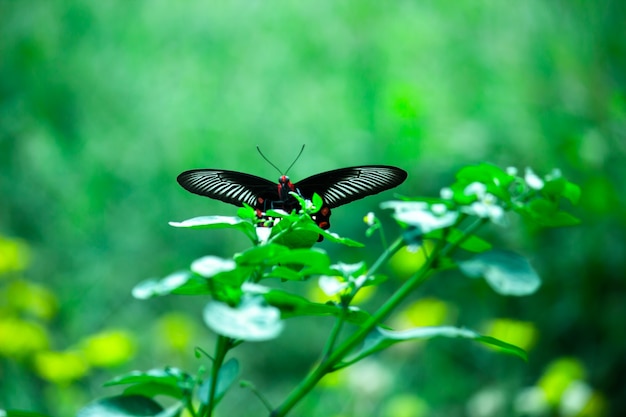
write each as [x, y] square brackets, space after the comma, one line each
[285, 186]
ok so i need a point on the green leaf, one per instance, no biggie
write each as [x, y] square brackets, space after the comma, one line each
[122, 406]
[472, 244]
[227, 375]
[572, 192]
[542, 208]
[226, 271]
[158, 287]
[20, 413]
[218, 222]
[546, 213]
[292, 305]
[192, 285]
[381, 339]
[486, 174]
[503, 346]
[152, 389]
[506, 272]
[318, 202]
[259, 255]
[246, 212]
[554, 189]
[495, 179]
[372, 229]
[560, 187]
[209, 266]
[195, 285]
[172, 377]
[284, 273]
[315, 259]
[332, 237]
[290, 232]
[297, 238]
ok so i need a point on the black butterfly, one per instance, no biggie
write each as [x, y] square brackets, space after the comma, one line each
[337, 187]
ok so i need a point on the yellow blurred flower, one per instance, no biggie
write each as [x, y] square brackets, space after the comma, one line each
[558, 377]
[108, 349]
[518, 333]
[20, 338]
[424, 312]
[60, 367]
[333, 380]
[408, 260]
[14, 255]
[34, 299]
[405, 405]
[364, 294]
[176, 329]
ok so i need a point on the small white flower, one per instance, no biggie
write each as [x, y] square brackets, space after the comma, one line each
[427, 221]
[254, 288]
[476, 188]
[370, 218]
[446, 193]
[511, 171]
[308, 205]
[533, 180]
[359, 281]
[555, 174]
[439, 208]
[420, 215]
[263, 233]
[332, 285]
[348, 269]
[209, 266]
[486, 207]
[251, 320]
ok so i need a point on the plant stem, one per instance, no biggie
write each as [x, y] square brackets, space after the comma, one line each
[388, 253]
[334, 333]
[221, 349]
[328, 363]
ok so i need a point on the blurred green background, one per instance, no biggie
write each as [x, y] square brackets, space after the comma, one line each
[102, 104]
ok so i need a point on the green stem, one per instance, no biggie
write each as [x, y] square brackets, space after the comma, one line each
[330, 343]
[334, 333]
[329, 362]
[469, 230]
[221, 349]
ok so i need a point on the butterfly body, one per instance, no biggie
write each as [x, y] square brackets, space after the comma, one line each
[336, 187]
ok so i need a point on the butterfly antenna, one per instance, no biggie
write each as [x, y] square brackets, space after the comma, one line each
[268, 161]
[294, 161]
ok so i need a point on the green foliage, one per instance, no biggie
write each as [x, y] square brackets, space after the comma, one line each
[102, 104]
[125, 406]
[240, 309]
[381, 339]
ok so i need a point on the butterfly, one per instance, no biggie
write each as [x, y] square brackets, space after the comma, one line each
[336, 187]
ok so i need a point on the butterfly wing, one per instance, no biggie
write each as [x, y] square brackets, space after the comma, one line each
[231, 187]
[341, 186]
